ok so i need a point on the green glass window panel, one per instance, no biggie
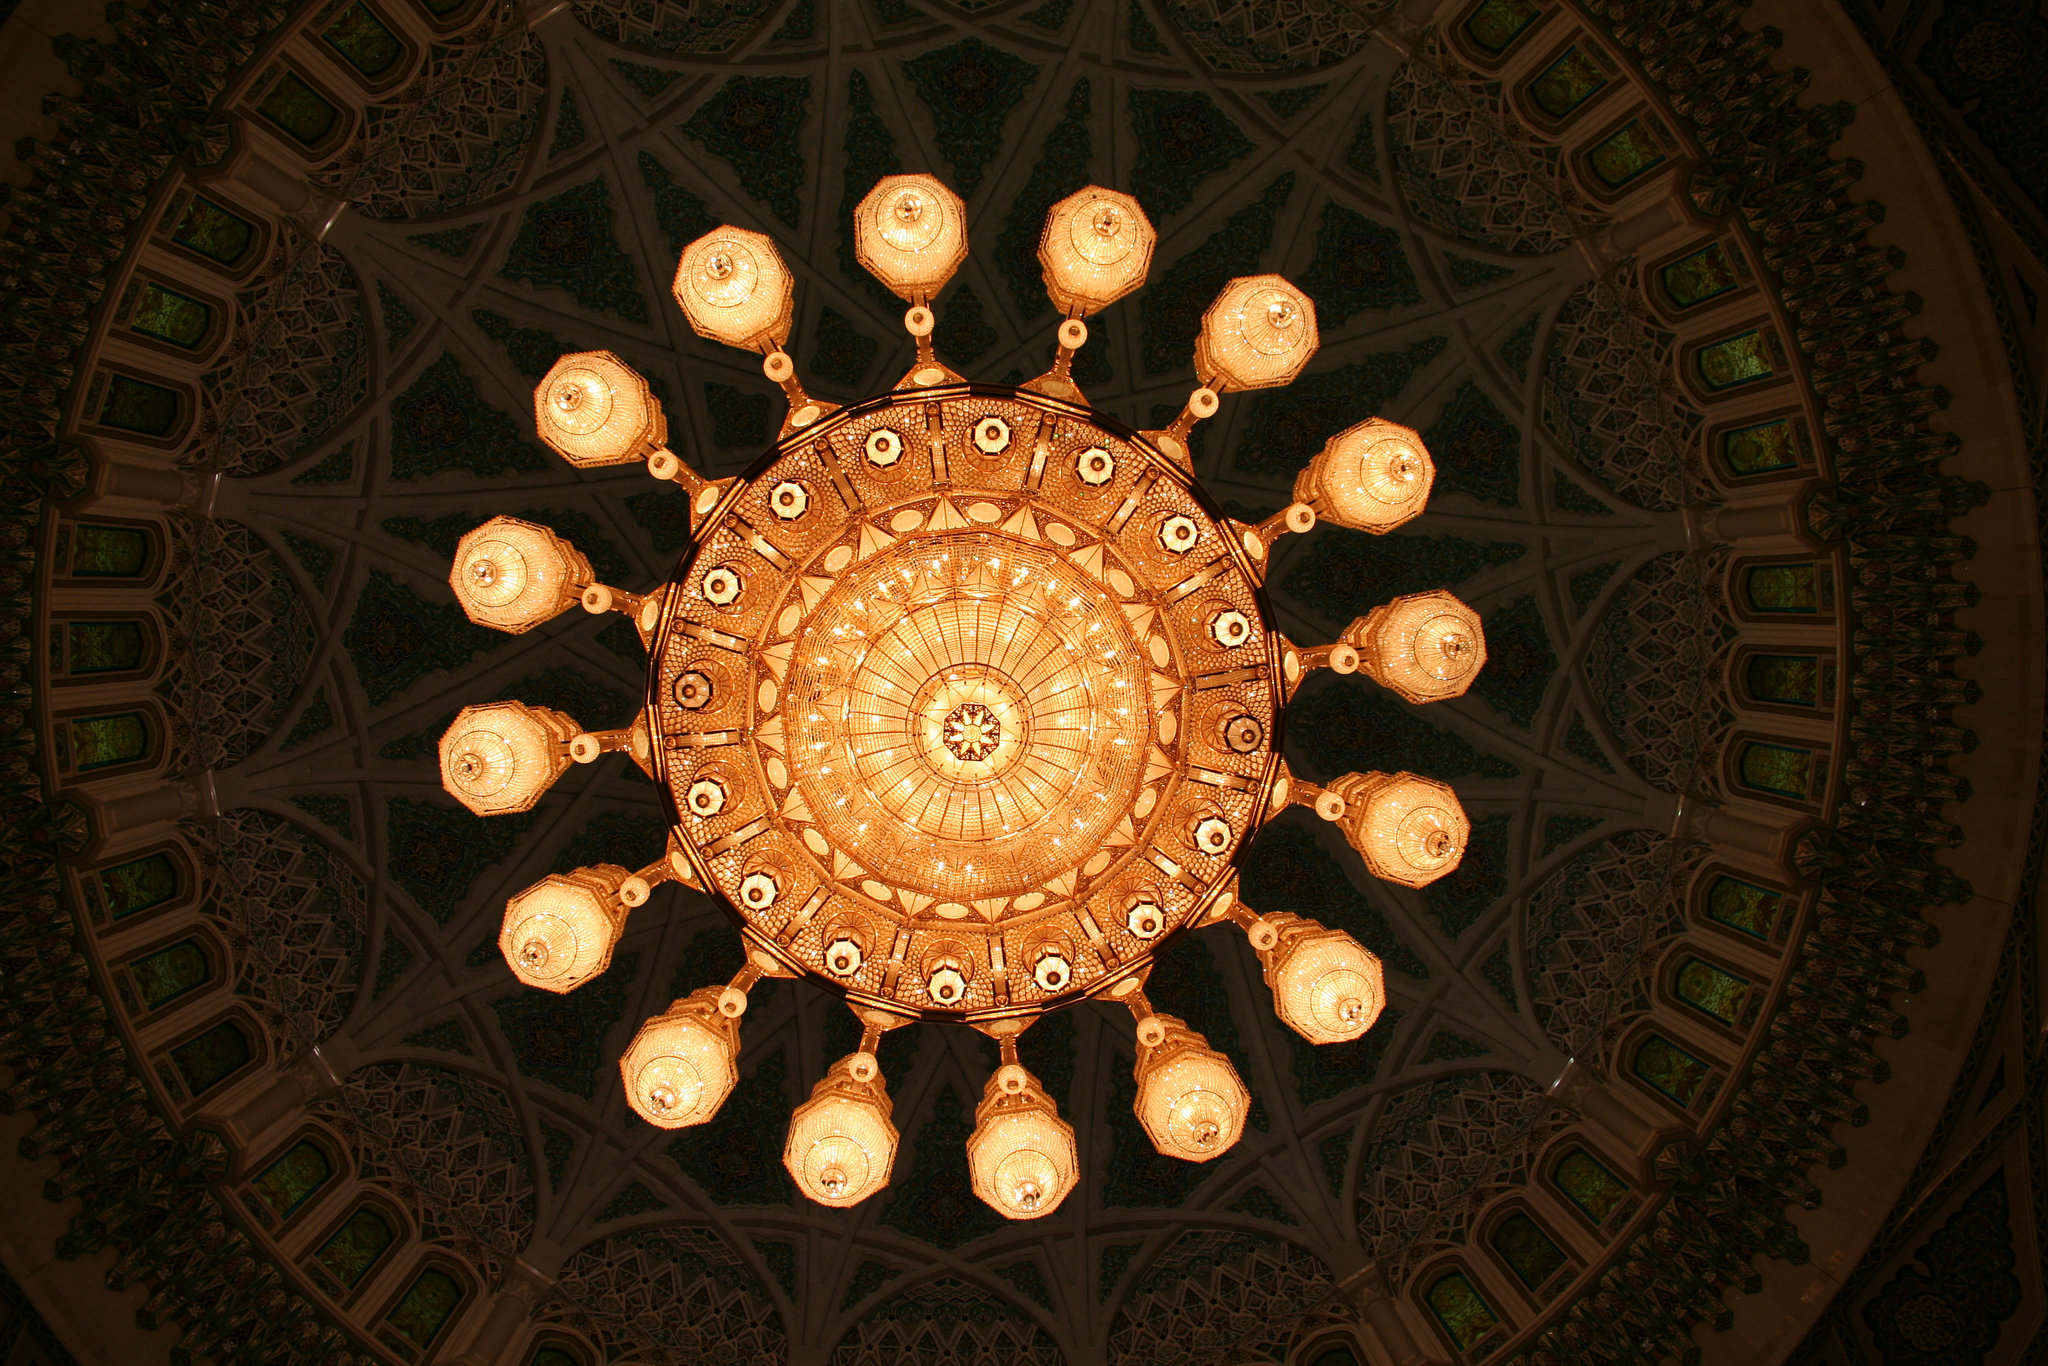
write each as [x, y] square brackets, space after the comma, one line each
[139, 884]
[1777, 768]
[213, 1057]
[1669, 1068]
[1706, 274]
[554, 1356]
[135, 405]
[1585, 1182]
[298, 110]
[170, 316]
[169, 973]
[1336, 1354]
[1459, 1308]
[1527, 1249]
[441, 8]
[1761, 449]
[425, 1307]
[1734, 361]
[1626, 154]
[103, 741]
[355, 1247]
[1497, 23]
[109, 552]
[99, 647]
[214, 232]
[363, 41]
[1743, 906]
[1793, 680]
[1720, 994]
[1783, 588]
[291, 1181]
[1566, 83]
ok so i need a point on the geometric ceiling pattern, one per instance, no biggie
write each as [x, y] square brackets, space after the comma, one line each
[1685, 471]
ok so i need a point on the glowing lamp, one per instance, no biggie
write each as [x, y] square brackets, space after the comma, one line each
[593, 409]
[1425, 647]
[1021, 1157]
[1096, 247]
[841, 1144]
[1189, 1100]
[680, 1066]
[1260, 332]
[514, 575]
[1326, 986]
[733, 287]
[499, 759]
[560, 932]
[1371, 477]
[1408, 829]
[910, 232]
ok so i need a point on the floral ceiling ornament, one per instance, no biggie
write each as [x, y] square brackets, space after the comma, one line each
[966, 699]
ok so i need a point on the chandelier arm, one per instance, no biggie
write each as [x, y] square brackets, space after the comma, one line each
[804, 410]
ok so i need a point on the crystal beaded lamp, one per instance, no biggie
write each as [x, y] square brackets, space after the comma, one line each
[963, 701]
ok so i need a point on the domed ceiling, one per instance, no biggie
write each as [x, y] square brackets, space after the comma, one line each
[280, 295]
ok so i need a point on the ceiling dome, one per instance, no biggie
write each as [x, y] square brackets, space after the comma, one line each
[1611, 306]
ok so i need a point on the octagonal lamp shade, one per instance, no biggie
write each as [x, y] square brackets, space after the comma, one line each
[560, 932]
[842, 1147]
[733, 287]
[514, 575]
[1096, 248]
[680, 1066]
[910, 232]
[498, 759]
[1408, 829]
[1190, 1101]
[1326, 986]
[1021, 1157]
[593, 409]
[1425, 647]
[1371, 477]
[1260, 332]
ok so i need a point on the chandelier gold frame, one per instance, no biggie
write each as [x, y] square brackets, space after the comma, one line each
[965, 701]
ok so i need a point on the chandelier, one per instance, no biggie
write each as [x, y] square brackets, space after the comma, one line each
[965, 700]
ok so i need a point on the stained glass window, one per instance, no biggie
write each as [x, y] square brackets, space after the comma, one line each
[1459, 1307]
[555, 1356]
[109, 552]
[1497, 23]
[139, 884]
[363, 41]
[1785, 770]
[1627, 153]
[104, 741]
[1708, 988]
[298, 110]
[134, 405]
[1733, 361]
[355, 1246]
[1669, 1068]
[1763, 448]
[1706, 274]
[99, 647]
[210, 1059]
[425, 1307]
[1790, 680]
[1785, 588]
[1332, 1354]
[1743, 906]
[1567, 83]
[292, 1180]
[1527, 1249]
[167, 974]
[214, 232]
[167, 315]
[1585, 1181]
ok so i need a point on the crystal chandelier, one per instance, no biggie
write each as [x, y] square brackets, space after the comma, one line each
[965, 700]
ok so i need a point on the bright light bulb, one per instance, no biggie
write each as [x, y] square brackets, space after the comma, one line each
[841, 1146]
[1190, 1100]
[1095, 249]
[498, 759]
[1260, 332]
[560, 932]
[514, 575]
[680, 1066]
[1425, 647]
[593, 410]
[1371, 477]
[910, 232]
[1408, 829]
[1021, 1157]
[733, 287]
[1326, 986]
